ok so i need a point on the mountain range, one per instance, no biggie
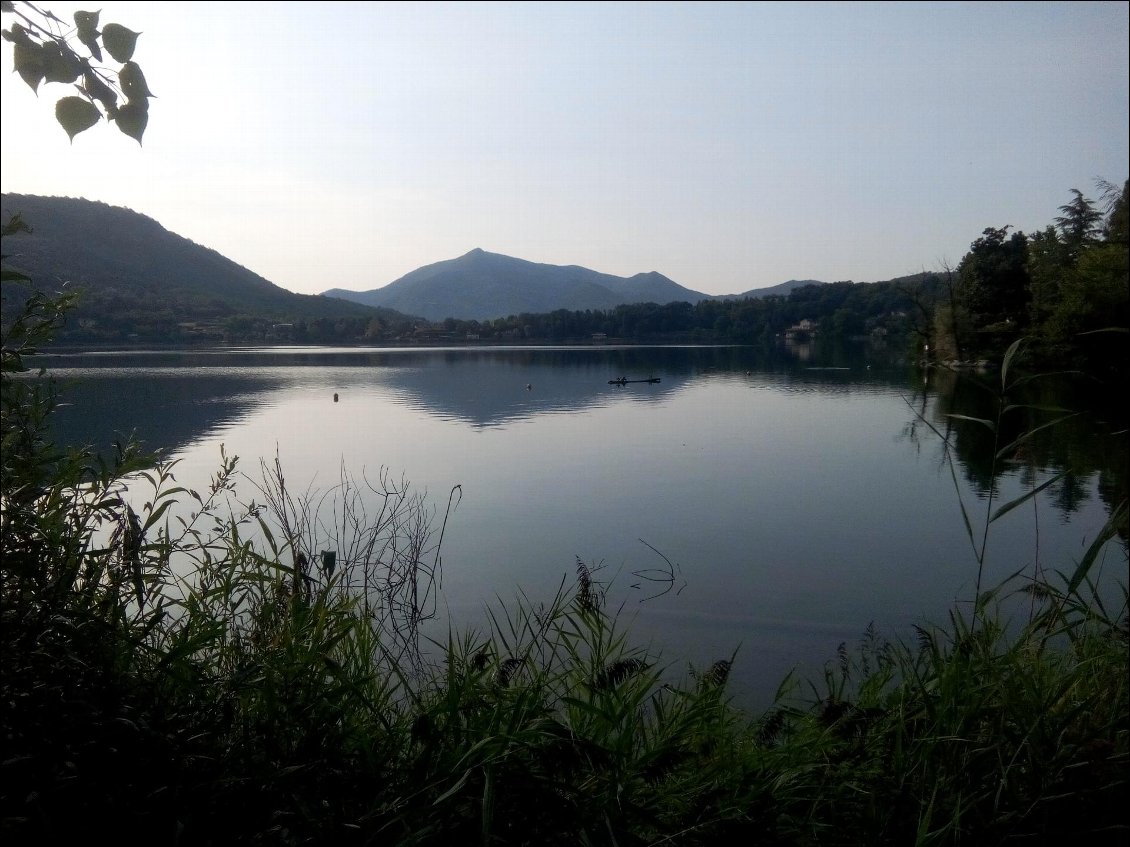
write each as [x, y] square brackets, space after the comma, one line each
[135, 274]
[480, 286]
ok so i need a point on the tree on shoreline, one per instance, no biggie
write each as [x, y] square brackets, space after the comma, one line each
[1058, 286]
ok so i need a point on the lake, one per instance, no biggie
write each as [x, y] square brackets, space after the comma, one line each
[795, 499]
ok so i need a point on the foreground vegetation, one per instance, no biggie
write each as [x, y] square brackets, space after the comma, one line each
[189, 667]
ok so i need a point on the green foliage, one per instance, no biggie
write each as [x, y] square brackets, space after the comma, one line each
[43, 51]
[1077, 448]
[970, 734]
[1080, 222]
[981, 731]
[176, 667]
[137, 279]
[1010, 427]
[76, 115]
[994, 278]
[1117, 228]
[186, 663]
[1059, 286]
[844, 311]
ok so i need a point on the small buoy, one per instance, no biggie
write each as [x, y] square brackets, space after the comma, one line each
[335, 396]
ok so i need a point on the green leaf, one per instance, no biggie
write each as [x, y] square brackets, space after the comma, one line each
[76, 114]
[95, 50]
[1009, 355]
[60, 64]
[119, 41]
[992, 426]
[98, 90]
[18, 35]
[454, 789]
[1009, 448]
[132, 119]
[87, 25]
[1024, 498]
[156, 516]
[1035, 408]
[132, 81]
[29, 64]
[1109, 531]
[267, 534]
[1119, 329]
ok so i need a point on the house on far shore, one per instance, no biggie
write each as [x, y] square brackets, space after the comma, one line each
[800, 331]
[281, 332]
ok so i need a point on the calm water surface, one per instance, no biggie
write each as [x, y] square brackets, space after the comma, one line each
[796, 503]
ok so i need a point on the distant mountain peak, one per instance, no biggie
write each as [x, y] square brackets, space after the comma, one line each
[480, 285]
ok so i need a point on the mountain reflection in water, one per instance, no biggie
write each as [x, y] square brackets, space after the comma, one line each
[799, 504]
[168, 398]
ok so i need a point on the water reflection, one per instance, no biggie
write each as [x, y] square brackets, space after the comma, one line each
[1054, 425]
[800, 503]
[169, 399]
[164, 409]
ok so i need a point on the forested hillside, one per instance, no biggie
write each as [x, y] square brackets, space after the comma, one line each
[840, 310]
[1064, 288]
[138, 281]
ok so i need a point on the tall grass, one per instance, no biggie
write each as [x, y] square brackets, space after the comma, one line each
[969, 735]
[193, 670]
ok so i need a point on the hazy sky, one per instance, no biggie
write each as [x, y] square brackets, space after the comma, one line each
[729, 146]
